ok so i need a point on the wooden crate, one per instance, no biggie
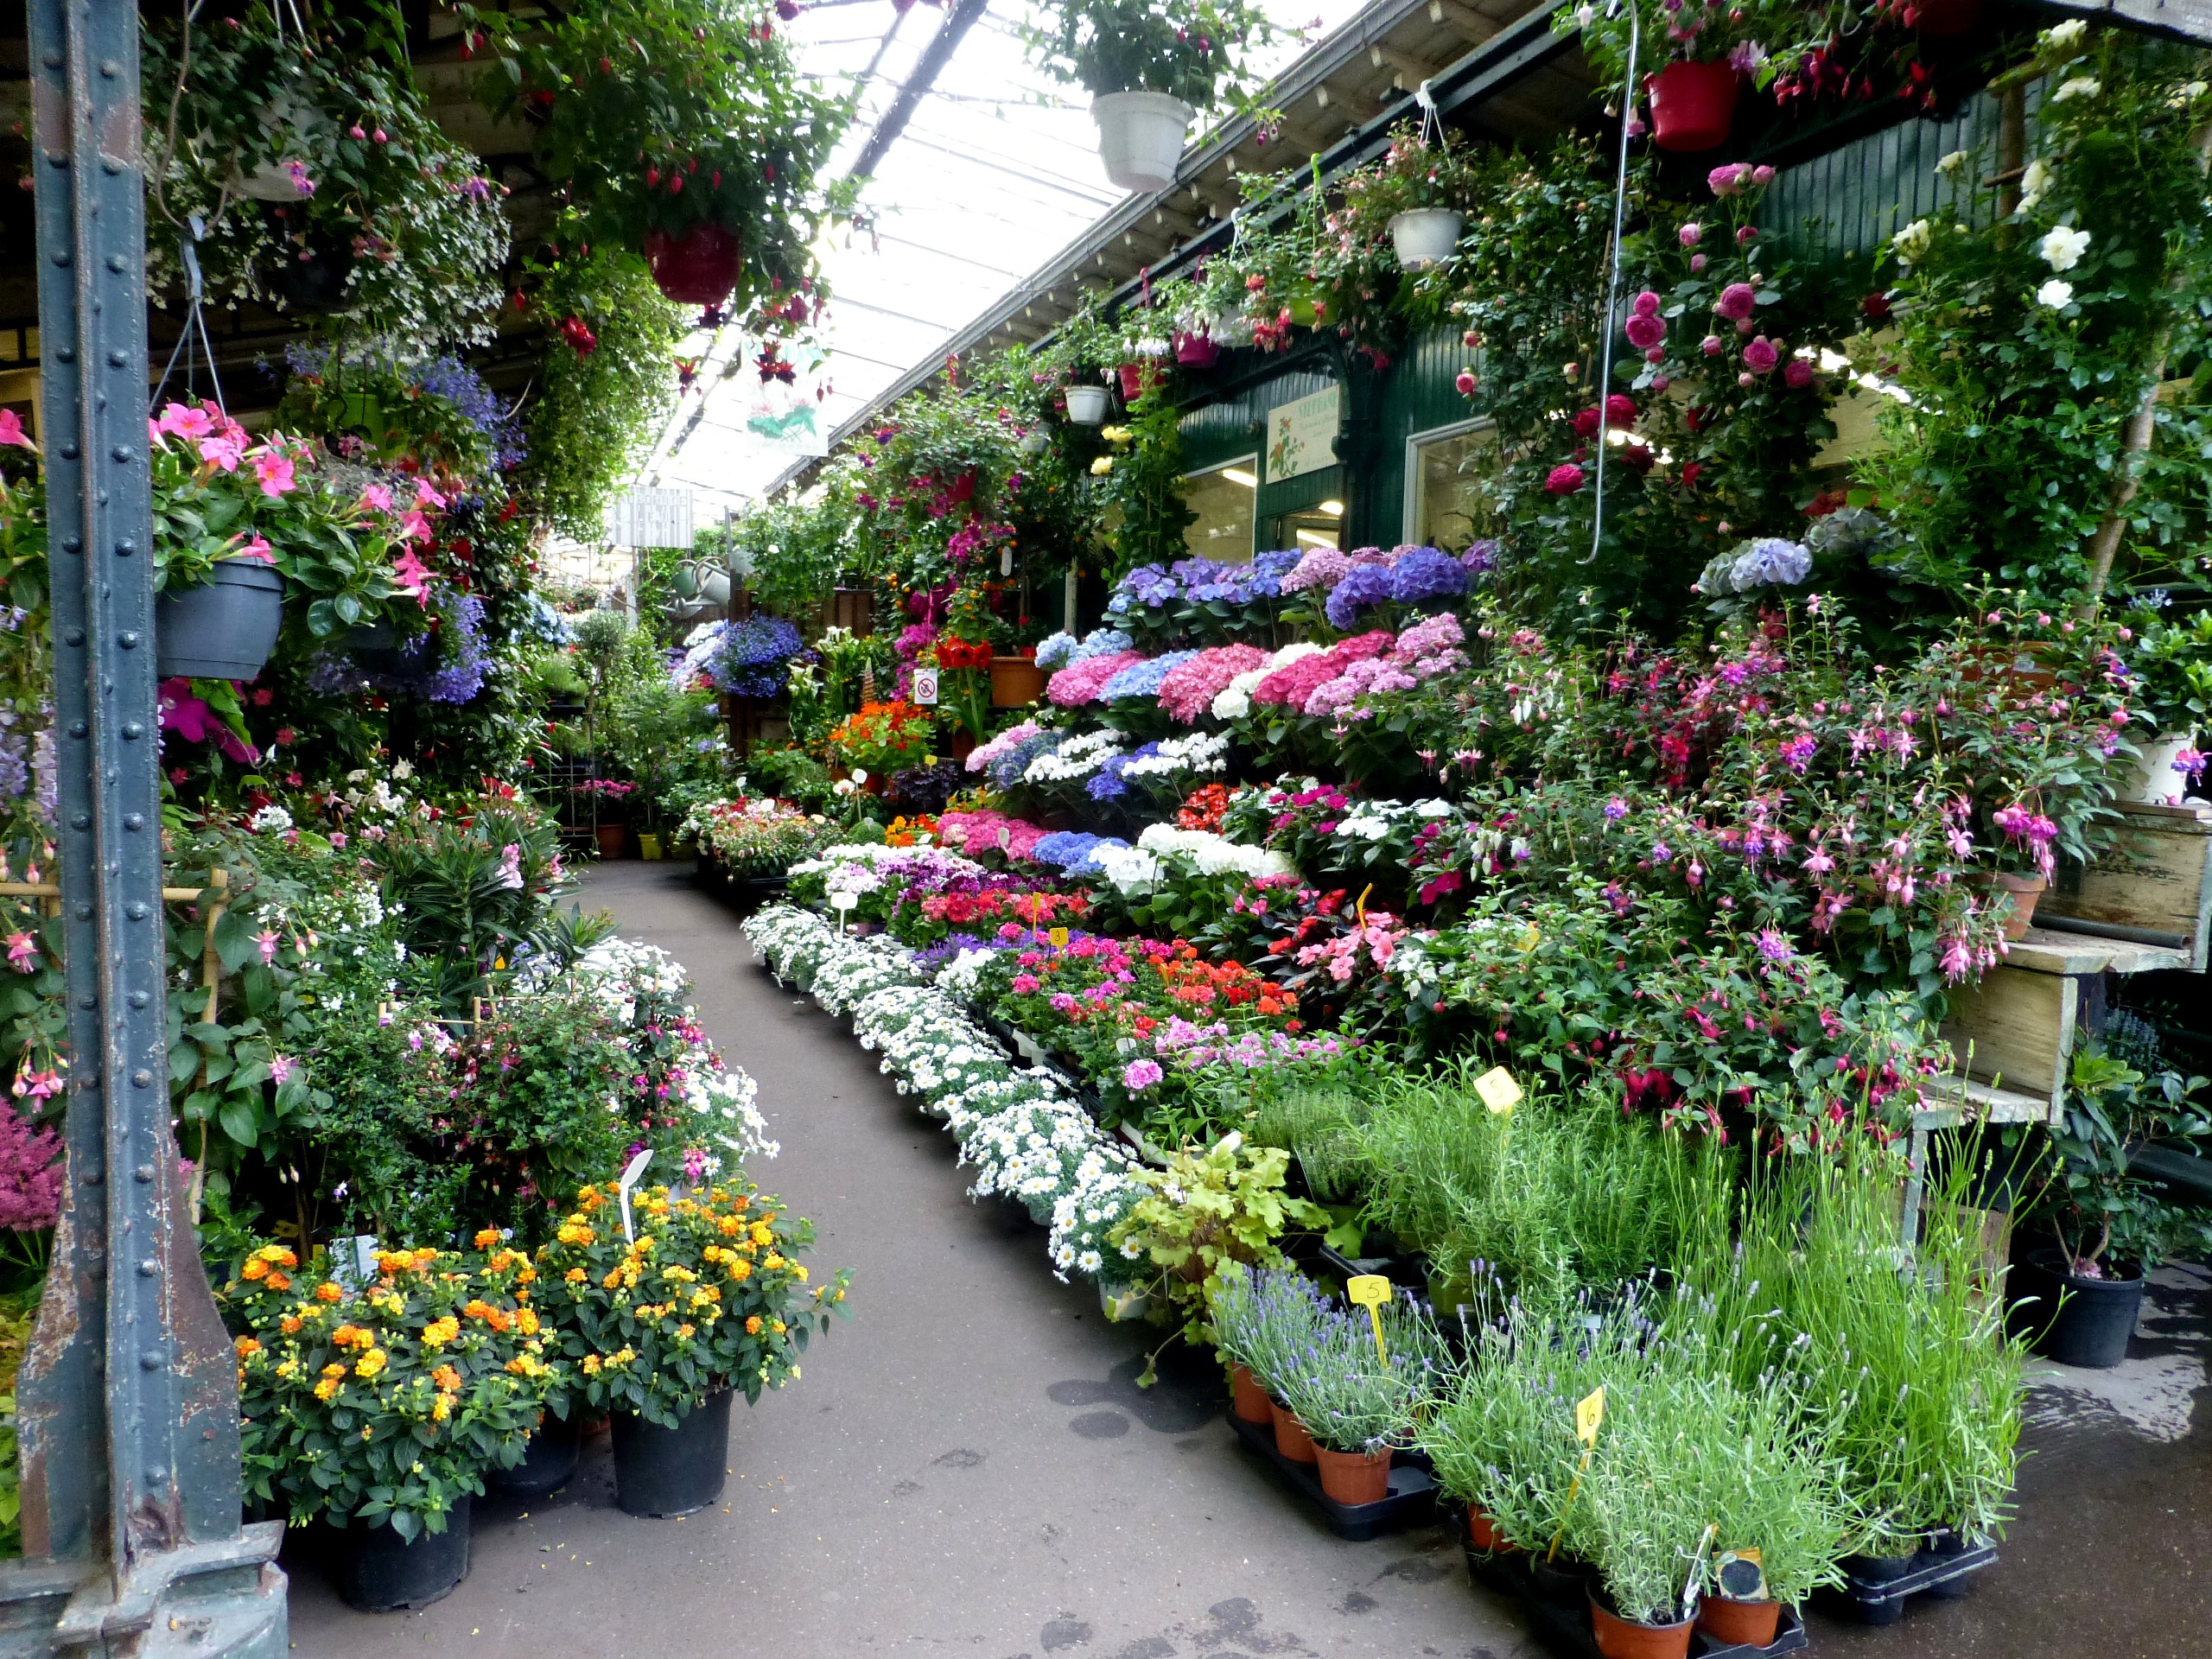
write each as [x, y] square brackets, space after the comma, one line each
[2154, 886]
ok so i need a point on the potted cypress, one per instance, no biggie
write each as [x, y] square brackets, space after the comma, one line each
[2078, 1300]
[667, 1308]
[376, 1409]
[1151, 67]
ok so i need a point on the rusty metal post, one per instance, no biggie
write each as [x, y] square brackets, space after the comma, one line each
[128, 1399]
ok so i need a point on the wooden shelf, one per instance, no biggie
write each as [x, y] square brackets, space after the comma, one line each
[2066, 950]
[1981, 1102]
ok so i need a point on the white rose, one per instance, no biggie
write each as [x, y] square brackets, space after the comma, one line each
[2034, 183]
[2079, 87]
[2054, 293]
[1911, 243]
[2063, 247]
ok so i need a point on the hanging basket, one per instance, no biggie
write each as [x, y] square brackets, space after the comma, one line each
[1195, 352]
[224, 628]
[1087, 405]
[1138, 377]
[697, 268]
[1693, 106]
[1425, 235]
[1140, 136]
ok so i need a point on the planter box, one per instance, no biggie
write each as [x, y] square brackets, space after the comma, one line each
[2153, 888]
[1411, 1501]
[1878, 1598]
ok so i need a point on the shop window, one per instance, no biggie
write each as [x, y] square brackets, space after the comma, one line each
[1224, 499]
[1309, 527]
[1444, 501]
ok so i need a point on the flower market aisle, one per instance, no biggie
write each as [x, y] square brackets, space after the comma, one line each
[967, 1466]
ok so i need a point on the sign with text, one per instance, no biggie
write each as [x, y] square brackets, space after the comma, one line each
[651, 518]
[1302, 436]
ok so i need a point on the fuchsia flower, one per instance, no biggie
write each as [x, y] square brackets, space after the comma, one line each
[23, 952]
[266, 940]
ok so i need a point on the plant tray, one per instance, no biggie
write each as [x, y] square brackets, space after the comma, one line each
[1882, 1601]
[1565, 1630]
[1408, 1270]
[1411, 1503]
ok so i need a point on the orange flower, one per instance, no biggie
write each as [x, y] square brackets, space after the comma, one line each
[487, 1238]
[447, 1378]
[328, 1292]
[247, 1347]
[752, 1325]
[257, 1269]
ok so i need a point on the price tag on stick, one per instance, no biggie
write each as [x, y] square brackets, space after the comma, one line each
[1371, 1291]
[630, 1174]
[1497, 1090]
[1589, 1414]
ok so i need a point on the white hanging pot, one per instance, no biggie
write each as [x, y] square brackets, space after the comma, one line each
[1425, 235]
[1035, 442]
[1140, 136]
[2154, 781]
[1087, 405]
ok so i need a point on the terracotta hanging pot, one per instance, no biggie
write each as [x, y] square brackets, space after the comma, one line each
[1693, 106]
[697, 268]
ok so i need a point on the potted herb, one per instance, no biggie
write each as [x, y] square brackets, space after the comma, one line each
[2079, 1300]
[1264, 1318]
[708, 1299]
[377, 1408]
[2173, 666]
[1356, 1402]
[1150, 67]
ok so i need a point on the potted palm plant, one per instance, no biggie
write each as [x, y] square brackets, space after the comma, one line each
[376, 1409]
[1151, 67]
[667, 1306]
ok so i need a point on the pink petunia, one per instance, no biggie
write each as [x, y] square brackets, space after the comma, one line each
[12, 431]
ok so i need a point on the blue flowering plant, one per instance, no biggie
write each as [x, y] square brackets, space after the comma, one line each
[1206, 600]
[754, 657]
[1413, 582]
[425, 416]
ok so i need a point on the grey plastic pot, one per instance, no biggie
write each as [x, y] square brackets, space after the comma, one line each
[223, 629]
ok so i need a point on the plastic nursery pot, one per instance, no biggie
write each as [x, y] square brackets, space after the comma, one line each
[1693, 106]
[1425, 235]
[614, 839]
[672, 1470]
[697, 268]
[1739, 1623]
[224, 628]
[1140, 136]
[1136, 379]
[1016, 681]
[2084, 1322]
[549, 1462]
[1247, 1398]
[2156, 779]
[1625, 1639]
[1355, 1477]
[1087, 405]
[1564, 1580]
[1291, 1438]
[376, 1570]
[648, 846]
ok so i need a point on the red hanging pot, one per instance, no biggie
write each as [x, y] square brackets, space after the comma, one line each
[697, 268]
[1693, 106]
[1195, 351]
[1136, 378]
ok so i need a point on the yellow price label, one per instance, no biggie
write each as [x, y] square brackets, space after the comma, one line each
[1497, 1090]
[1059, 938]
[1371, 1291]
[1589, 1412]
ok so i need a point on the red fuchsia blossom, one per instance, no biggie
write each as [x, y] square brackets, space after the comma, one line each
[1565, 480]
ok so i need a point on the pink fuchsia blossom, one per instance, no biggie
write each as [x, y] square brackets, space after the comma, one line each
[265, 941]
[302, 182]
[23, 952]
[11, 431]
[1737, 300]
[1564, 479]
[1773, 946]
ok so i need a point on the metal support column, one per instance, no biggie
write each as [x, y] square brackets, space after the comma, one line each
[127, 1401]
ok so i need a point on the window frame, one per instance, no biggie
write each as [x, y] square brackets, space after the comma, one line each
[1251, 464]
[1410, 513]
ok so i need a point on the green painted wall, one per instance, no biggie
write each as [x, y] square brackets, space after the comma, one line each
[1219, 432]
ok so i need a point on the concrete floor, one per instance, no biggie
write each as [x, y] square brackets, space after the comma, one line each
[967, 1466]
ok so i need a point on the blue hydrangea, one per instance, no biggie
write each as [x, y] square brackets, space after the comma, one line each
[1109, 783]
[1006, 771]
[1057, 651]
[1362, 586]
[1427, 574]
[1143, 679]
[1101, 642]
[1074, 852]
[1772, 559]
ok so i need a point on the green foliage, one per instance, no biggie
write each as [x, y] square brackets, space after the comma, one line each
[1191, 49]
[1145, 485]
[403, 237]
[595, 410]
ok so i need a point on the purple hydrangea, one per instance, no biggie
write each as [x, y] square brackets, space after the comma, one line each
[1425, 574]
[1364, 585]
[1074, 852]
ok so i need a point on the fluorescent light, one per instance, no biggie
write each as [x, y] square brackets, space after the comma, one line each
[1317, 537]
[1331, 509]
[1238, 475]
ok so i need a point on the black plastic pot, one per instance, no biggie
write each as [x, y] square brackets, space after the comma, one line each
[1564, 1582]
[2084, 1322]
[375, 648]
[374, 1570]
[672, 1470]
[547, 1464]
[223, 629]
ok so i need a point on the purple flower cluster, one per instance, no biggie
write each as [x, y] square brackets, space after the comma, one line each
[1203, 582]
[756, 656]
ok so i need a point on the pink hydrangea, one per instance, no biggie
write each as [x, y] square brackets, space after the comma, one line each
[983, 753]
[1081, 682]
[977, 833]
[1369, 674]
[1428, 640]
[1294, 682]
[1189, 689]
[1322, 568]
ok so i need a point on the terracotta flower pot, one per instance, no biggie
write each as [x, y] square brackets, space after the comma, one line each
[1247, 1398]
[1625, 1639]
[1693, 106]
[1291, 1438]
[1355, 1477]
[2025, 890]
[613, 840]
[697, 268]
[1739, 1623]
[1016, 681]
[1483, 1533]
